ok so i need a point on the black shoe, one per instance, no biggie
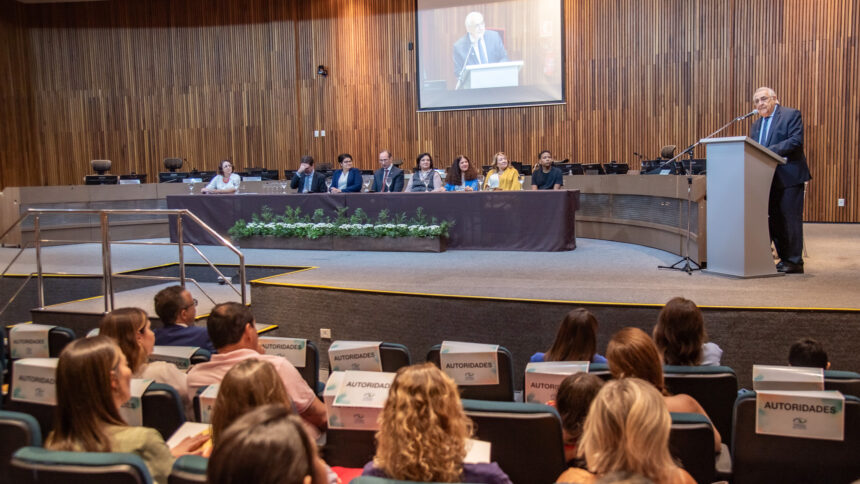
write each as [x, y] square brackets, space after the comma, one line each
[789, 268]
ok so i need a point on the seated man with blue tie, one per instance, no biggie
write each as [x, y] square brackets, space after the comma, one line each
[780, 129]
[387, 178]
[478, 46]
[306, 180]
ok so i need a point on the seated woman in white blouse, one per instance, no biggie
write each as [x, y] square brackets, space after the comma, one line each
[225, 182]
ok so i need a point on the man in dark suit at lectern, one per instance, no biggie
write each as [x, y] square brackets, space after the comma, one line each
[387, 178]
[781, 130]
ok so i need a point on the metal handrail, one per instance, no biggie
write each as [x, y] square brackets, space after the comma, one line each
[107, 271]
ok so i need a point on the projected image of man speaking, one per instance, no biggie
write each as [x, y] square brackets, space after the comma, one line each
[478, 46]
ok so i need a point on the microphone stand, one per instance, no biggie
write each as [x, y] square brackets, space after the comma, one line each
[465, 64]
[690, 265]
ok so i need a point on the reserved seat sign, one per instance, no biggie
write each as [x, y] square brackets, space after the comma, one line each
[35, 380]
[207, 402]
[354, 399]
[132, 410]
[808, 415]
[787, 378]
[29, 341]
[293, 349]
[355, 356]
[180, 356]
[470, 363]
[544, 378]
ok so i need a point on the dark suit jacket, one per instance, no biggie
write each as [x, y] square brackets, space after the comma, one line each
[396, 176]
[175, 335]
[317, 184]
[353, 180]
[495, 51]
[785, 138]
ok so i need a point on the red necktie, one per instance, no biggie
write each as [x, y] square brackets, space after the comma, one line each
[385, 181]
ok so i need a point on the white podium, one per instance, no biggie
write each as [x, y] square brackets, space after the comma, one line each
[740, 172]
[498, 74]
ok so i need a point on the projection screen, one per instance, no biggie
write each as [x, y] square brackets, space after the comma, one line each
[474, 54]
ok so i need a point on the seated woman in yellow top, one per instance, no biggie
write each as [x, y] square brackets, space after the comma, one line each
[502, 176]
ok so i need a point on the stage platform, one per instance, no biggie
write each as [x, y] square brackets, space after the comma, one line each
[517, 298]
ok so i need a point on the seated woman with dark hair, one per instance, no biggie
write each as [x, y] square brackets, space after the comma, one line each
[632, 354]
[423, 431]
[93, 381]
[680, 335]
[225, 182]
[627, 429]
[576, 340]
[573, 399]
[267, 445]
[424, 178]
[462, 176]
[131, 329]
[349, 183]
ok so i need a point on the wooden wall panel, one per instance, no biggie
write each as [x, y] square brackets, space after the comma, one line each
[207, 79]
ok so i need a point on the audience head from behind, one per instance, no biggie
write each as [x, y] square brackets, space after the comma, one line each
[576, 339]
[130, 329]
[809, 353]
[267, 445]
[424, 410]
[248, 385]
[174, 305]
[680, 333]
[574, 397]
[231, 326]
[627, 429]
[423, 162]
[632, 353]
[93, 380]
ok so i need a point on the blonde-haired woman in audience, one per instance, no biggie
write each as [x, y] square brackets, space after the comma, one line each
[93, 381]
[268, 445]
[423, 432]
[627, 429]
[131, 329]
[680, 335]
[633, 354]
[502, 176]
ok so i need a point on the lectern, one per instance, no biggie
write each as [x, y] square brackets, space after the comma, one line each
[497, 74]
[740, 172]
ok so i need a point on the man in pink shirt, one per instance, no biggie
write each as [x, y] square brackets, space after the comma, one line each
[231, 329]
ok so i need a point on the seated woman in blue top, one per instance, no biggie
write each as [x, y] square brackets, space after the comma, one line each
[349, 183]
[576, 340]
[462, 176]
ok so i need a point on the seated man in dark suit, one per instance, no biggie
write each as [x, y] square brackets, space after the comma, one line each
[387, 173]
[178, 310]
[306, 180]
[478, 46]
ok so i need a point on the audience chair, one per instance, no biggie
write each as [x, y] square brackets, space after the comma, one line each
[847, 382]
[34, 465]
[311, 370]
[349, 448]
[526, 438]
[601, 370]
[503, 392]
[43, 414]
[188, 469]
[691, 441]
[162, 409]
[58, 338]
[202, 355]
[394, 356]
[714, 387]
[18, 430]
[771, 458]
